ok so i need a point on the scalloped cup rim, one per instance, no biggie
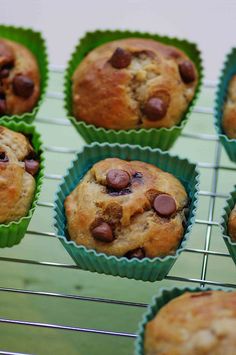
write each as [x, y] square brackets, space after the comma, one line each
[185, 117]
[222, 220]
[217, 94]
[153, 303]
[113, 257]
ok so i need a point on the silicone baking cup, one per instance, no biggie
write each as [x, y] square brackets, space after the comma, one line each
[230, 202]
[35, 43]
[163, 297]
[12, 233]
[229, 69]
[162, 138]
[88, 259]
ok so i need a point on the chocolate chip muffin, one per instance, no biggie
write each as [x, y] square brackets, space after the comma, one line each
[229, 113]
[127, 208]
[133, 83]
[232, 224]
[194, 323]
[18, 166]
[19, 79]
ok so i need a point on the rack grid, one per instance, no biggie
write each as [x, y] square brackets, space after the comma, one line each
[215, 167]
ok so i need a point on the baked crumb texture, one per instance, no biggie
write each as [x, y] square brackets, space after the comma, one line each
[19, 79]
[18, 166]
[194, 323]
[127, 208]
[229, 112]
[133, 83]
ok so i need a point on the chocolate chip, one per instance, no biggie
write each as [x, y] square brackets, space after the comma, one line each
[3, 157]
[122, 192]
[120, 58]
[4, 73]
[117, 179]
[103, 232]
[155, 109]
[31, 166]
[3, 107]
[164, 205]
[136, 253]
[200, 294]
[186, 71]
[23, 86]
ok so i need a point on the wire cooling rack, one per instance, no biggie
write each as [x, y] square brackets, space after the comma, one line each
[212, 170]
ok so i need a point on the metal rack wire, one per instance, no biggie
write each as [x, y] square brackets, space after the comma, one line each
[205, 252]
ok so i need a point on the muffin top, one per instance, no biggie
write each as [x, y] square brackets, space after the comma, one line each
[229, 113]
[133, 83]
[19, 79]
[194, 323]
[127, 208]
[18, 165]
[232, 224]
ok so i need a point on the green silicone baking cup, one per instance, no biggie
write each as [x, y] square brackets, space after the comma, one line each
[36, 44]
[230, 202]
[12, 233]
[162, 138]
[164, 296]
[88, 259]
[229, 69]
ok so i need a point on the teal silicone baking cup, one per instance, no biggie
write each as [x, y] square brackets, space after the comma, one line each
[229, 69]
[12, 233]
[36, 44]
[163, 297]
[88, 259]
[230, 203]
[162, 138]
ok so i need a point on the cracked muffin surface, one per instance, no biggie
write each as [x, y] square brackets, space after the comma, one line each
[232, 224]
[127, 208]
[194, 323]
[229, 112]
[19, 78]
[18, 166]
[133, 83]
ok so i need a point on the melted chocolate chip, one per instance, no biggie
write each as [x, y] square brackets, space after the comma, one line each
[23, 86]
[186, 71]
[200, 294]
[3, 157]
[117, 179]
[120, 58]
[155, 109]
[164, 205]
[122, 192]
[4, 73]
[3, 107]
[103, 232]
[31, 166]
[136, 253]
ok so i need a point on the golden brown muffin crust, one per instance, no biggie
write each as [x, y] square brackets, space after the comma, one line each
[17, 184]
[232, 224]
[116, 98]
[202, 323]
[19, 79]
[229, 114]
[129, 212]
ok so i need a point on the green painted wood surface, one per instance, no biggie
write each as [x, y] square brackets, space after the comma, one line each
[50, 279]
